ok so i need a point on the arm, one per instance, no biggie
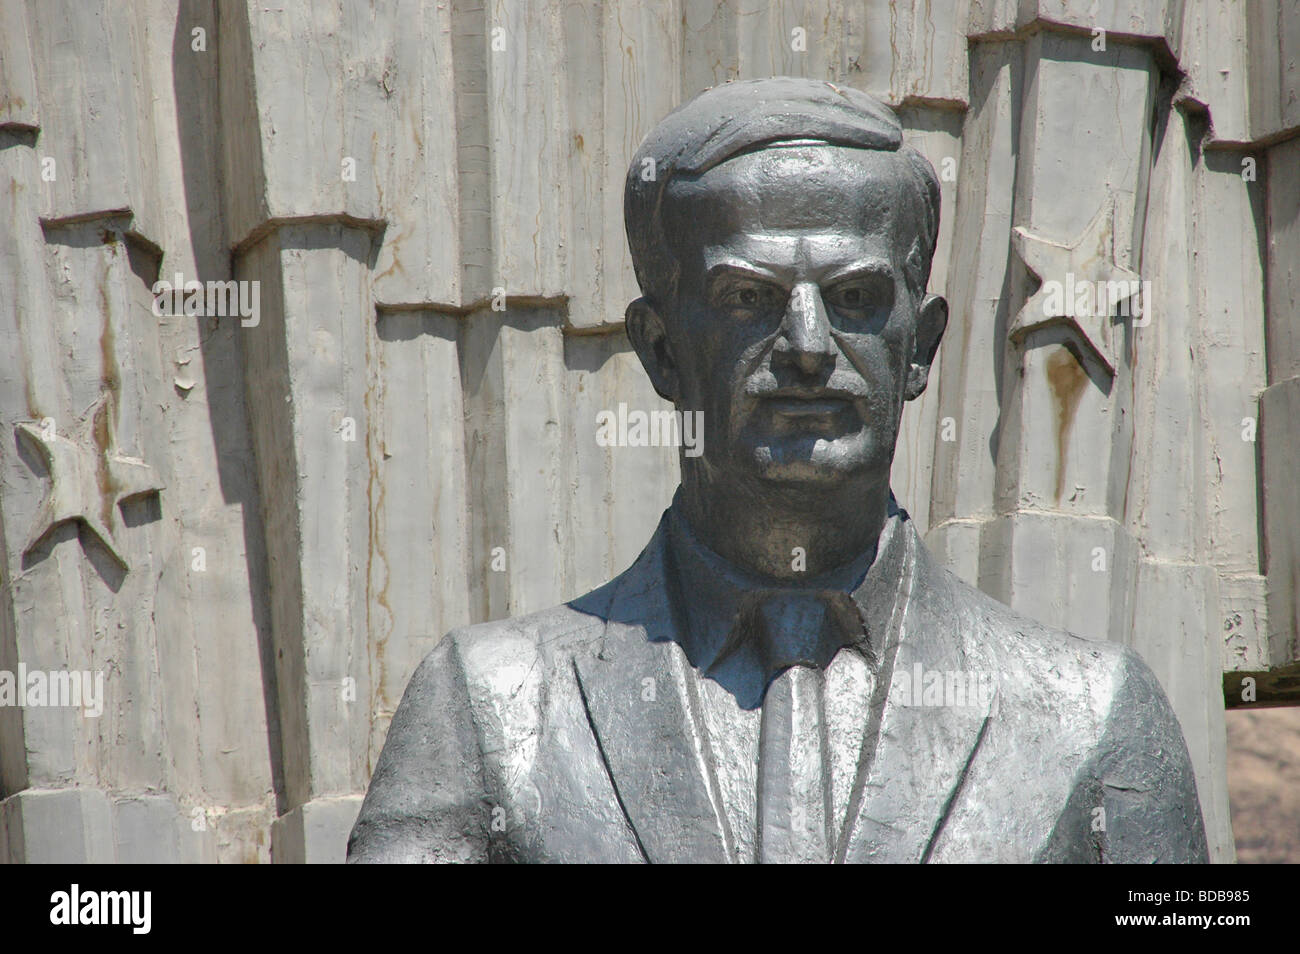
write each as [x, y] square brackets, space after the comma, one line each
[1147, 787]
[427, 800]
[1134, 800]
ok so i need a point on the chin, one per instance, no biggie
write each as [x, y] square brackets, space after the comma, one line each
[815, 461]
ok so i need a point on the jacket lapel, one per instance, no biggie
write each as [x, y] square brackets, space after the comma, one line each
[915, 756]
[639, 706]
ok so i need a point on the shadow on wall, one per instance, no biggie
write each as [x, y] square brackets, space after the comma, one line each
[1264, 784]
[196, 85]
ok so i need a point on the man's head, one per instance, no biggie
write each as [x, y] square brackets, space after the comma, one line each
[782, 236]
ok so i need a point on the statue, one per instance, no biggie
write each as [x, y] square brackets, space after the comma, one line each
[784, 674]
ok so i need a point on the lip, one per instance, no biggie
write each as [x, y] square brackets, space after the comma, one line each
[807, 404]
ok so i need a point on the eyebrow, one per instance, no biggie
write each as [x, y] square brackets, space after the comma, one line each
[743, 270]
[862, 268]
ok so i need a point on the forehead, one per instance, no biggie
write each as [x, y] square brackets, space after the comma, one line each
[817, 200]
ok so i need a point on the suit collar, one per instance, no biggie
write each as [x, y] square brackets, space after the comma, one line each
[714, 600]
[639, 699]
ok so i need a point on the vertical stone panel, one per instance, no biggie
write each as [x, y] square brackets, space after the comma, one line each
[427, 103]
[611, 110]
[968, 382]
[710, 44]
[212, 490]
[307, 376]
[1163, 497]
[19, 107]
[319, 91]
[1218, 64]
[913, 51]
[44, 619]
[617, 493]
[418, 499]
[530, 138]
[1273, 42]
[790, 38]
[1059, 397]
[1279, 436]
[97, 114]
[86, 101]
[107, 331]
[1230, 351]
[936, 134]
[512, 369]
[1173, 607]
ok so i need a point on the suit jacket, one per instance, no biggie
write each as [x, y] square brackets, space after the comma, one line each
[534, 739]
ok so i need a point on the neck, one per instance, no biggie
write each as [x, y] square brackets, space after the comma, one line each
[758, 527]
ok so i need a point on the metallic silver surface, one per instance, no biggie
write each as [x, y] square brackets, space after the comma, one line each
[719, 700]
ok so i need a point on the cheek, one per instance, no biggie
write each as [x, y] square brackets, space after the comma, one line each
[714, 353]
[879, 362]
[897, 341]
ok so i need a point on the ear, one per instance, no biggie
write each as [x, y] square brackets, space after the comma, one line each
[931, 320]
[645, 329]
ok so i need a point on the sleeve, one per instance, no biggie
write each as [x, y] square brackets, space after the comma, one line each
[1144, 777]
[427, 800]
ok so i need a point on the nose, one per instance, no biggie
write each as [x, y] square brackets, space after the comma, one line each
[805, 339]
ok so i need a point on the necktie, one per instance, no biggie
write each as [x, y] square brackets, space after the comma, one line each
[796, 634]
[794, 792]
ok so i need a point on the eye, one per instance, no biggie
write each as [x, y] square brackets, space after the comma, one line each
[849, 298]
[860, 297]
[750, 297]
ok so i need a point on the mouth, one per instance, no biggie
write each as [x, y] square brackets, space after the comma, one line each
[808, 402]
[806, 407]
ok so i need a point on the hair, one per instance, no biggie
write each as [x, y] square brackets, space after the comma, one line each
[746, 116]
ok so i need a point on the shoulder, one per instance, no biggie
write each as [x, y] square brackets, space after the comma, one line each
[1095, 694]
[546, 641]
[1028, 655]
[497, 657]
[1050, 672]
[1095, 711]
[485, 654]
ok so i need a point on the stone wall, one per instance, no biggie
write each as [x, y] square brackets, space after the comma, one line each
[256, 530]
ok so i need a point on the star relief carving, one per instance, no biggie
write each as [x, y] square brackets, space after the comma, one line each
[89, 477]
[1082, 285]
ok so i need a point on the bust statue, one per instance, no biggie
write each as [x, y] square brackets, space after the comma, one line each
[784, 674]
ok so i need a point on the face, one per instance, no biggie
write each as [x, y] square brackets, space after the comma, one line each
[795, 329]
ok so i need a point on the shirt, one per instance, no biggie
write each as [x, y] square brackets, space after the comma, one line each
[783, 697]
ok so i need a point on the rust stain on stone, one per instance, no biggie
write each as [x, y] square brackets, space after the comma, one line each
[111, 381]
[375, 499]
[110, 376]
[107, 487]
[1067, 379]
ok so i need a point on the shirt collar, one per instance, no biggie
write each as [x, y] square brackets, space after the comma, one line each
[708, 593]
